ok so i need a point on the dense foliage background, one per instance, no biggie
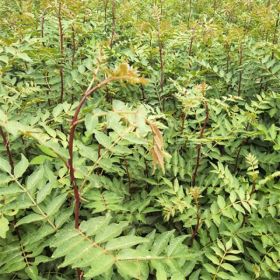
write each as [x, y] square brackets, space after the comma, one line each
[170, 171]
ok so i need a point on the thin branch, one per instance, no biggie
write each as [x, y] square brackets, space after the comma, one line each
[61, 48]
[198, 147]
[195, 232]
[113, 23]
[240, 70]
[75, 120]
[74, 123]
[73, 181]
[8, 150]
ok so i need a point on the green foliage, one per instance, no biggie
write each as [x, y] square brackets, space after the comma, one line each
[176, 164]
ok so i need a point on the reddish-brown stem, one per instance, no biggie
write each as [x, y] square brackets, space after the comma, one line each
[191, 45]
[274, 41]
[49, 88]
[161, 65]
[261, 85]
[240, 70]
[8, 150]
[183, 118]
[143, 93]
[60, 29]
[61, 48]
[61, 74]
[99, 150]
[42, 26]
[198, 147]
[74, 123]
[70, 163]
[195, 231]
[73, 181]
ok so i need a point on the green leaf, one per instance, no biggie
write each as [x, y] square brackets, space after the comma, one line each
[189, 267]
[11, 189]
[109, 232]
[161, 242]
[212, 258]
[4, 227]
[88, 152]
[91, 122]
[32, 272]
[238, 207]
[47, 151]
[160, 270]
[229, 267]
[229, 244]
[35, 178]
[21, 167]
[55, 204]
[231, 258]
[100, 265]
[103, 139]
[224, 275]
[124, 242]
[135, 269]
[30, 219]
[4, 165]
[4, 58]
[93, 225]
[40, 159]
[195, 275]
[24, 57]
[210, 268]
[45, 191]
[221, 202]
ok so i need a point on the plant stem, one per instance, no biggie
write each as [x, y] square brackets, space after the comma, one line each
[161, 53]
[190, 12]
[73, 181]
[240, 70]
[8, 150]
[198, 147]
[42, 26]
[61, 48]
[105, 14]
[195, 232]
[74, 123]
[219, 266]
[113, 23]
[75, 120]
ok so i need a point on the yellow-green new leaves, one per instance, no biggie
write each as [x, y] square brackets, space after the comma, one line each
[253, 171]
[4, 227]
[127, 73]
